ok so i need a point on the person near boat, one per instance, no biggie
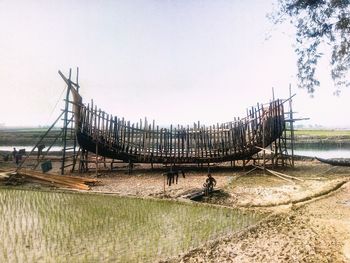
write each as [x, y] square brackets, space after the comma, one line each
[209, 184]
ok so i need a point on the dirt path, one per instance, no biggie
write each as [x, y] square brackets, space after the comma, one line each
[333, 212]
[315, 231]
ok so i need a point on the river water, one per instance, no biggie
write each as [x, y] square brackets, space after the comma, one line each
[323, 151]
[319, 151]
[28, 148]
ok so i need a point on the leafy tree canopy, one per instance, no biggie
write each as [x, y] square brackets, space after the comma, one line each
[319, 23]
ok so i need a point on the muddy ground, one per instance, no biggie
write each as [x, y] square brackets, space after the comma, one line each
[309, 217]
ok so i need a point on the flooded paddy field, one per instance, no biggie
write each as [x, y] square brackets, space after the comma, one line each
[70, 227]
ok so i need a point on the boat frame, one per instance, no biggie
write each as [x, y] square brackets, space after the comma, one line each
[114, 137]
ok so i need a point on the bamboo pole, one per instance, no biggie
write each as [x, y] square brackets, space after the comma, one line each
[291, 124]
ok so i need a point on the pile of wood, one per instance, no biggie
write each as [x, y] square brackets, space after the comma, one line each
[62, 181]
[4, 175]
[282, 176]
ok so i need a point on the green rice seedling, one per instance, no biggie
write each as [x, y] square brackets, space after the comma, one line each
[88, 228]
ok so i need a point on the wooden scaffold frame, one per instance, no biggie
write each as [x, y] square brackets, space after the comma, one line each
[91, 136]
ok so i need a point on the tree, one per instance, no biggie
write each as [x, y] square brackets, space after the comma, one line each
[319, 23]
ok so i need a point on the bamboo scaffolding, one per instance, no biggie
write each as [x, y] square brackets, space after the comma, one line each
[143, 142]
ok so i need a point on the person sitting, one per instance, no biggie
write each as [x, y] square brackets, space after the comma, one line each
[209, 184]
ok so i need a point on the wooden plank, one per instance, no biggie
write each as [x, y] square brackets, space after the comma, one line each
[201, 143]
[87, 123]
[157, 141]
[92, 118]
[136, 139]
[140, 139]
[161, 142]
[171, 141]
[175, 143]
[102, 128]
[227, 143]
[106, 129]
[229, 138]
[132, 139]
[233, 134]
[198, 133]
[110, 130]
[153, 138]
[218, 139]
[291, 124]
[210, 141]
[149, 141]
[95, 124]
[115, 131]
[179, 143]
[83, 113]
[166, 142]
[188, 142]
[205, 148]
[127, 136]
[144, 140]
[248, 128]
[214, 141]
[122, 134]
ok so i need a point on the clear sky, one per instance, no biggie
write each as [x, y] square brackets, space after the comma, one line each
[172, 61]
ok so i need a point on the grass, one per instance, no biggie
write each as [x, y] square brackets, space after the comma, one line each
[323, 133]
[54, 227]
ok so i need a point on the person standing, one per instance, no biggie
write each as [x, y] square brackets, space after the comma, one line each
[14, 153]
[40, 150]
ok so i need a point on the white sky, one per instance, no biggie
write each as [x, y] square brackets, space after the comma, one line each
[172, 61]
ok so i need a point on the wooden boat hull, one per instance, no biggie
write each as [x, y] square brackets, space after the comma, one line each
[231, 141]
[116, 153]
[115, 138]
[335, 161]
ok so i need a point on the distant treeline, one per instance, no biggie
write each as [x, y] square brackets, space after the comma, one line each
[27, 137]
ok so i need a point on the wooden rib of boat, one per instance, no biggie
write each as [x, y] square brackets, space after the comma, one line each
[143, 142]
[335, 161]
